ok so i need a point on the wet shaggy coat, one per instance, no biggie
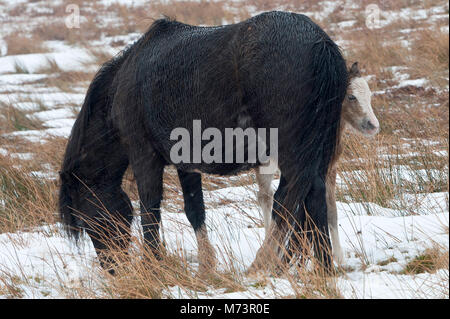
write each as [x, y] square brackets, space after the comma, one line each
[275, 70]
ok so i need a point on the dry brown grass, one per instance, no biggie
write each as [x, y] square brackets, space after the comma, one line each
[431, 56]
[368, 178]
[26, 200]
[398, 4]
[426, 55]
[50, 67]
[65, 80]
[58, 30]
[99, 55]
[199, 13]
[20, 44]
[139, 275]
[369, 168]
[13, 119]
[408, 112]
[374, 54]
[429, 261]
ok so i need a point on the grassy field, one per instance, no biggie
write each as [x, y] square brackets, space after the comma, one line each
[48, 66]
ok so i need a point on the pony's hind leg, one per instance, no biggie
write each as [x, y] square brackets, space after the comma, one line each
[194, 207]
[338, 254]
[316, 206]
[148, 169]
[265, 197]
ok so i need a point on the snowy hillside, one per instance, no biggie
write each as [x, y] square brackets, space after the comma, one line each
[393, 200]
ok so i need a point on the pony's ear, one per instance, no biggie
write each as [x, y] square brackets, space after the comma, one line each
[354, 70]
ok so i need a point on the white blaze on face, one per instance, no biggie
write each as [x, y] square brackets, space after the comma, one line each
[360, 89]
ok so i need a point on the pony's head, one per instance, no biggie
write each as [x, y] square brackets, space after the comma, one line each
[357, 111]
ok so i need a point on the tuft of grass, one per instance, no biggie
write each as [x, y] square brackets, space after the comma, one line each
[11, 287]
[387, 261]
[99, 55]
[432, 60]
[57, 30]
[20, 68]
[67, 81]
[431, 260]
[27, 200]
[13, 119]
[50, 67]
[20, 44]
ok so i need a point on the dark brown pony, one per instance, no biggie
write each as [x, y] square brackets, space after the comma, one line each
[276, 70]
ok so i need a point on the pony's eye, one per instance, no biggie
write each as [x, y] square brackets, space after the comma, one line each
[351, 97]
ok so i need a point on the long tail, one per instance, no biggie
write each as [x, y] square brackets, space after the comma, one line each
[316, 130]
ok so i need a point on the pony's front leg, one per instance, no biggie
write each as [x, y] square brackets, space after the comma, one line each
[338, 254]
[269, 255]
[194, 207]
[148, 169]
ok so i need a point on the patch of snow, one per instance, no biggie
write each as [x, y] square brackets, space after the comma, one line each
[346, 24]
[20, 79]
[416, 82]
[61, 113]
[71, 60]
[45, 254]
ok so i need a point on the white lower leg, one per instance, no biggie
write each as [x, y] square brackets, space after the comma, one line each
[265, 197]
[338, 254]
[332, 217]
[267, 220]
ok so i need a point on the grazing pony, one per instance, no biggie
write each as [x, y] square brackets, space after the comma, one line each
[274, 70]
[357, 114]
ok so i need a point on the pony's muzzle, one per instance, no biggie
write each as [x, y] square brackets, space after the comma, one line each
[370, 127]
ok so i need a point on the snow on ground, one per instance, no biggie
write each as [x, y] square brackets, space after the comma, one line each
[47, 261]
[75, 59]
